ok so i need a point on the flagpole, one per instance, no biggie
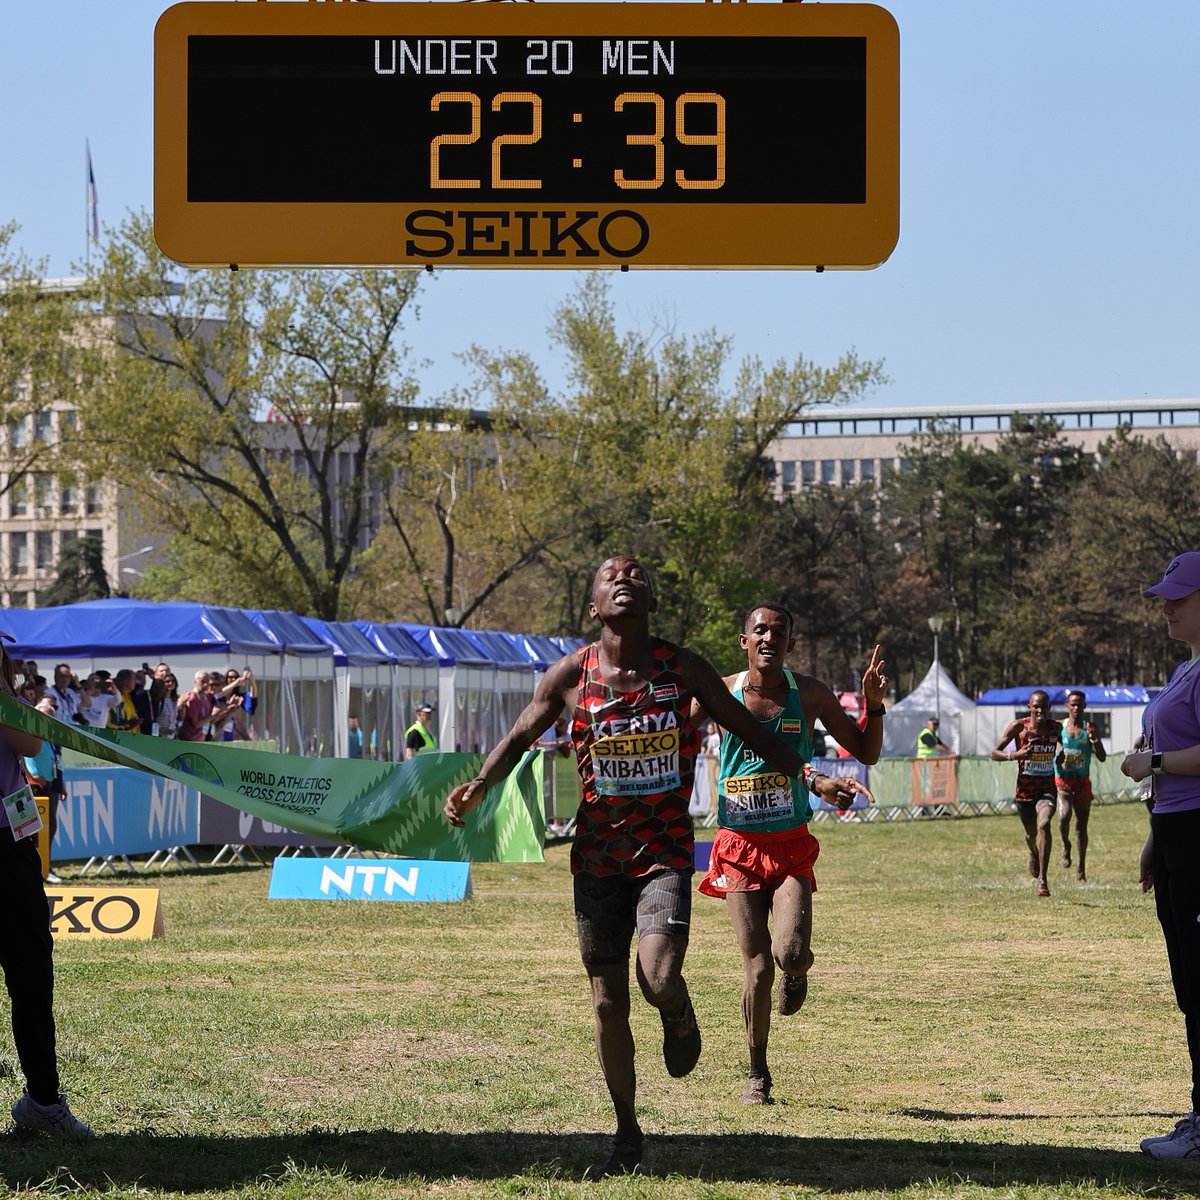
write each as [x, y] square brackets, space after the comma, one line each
[87, 207]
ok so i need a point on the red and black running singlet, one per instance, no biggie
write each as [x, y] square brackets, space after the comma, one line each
[1035, 774]
[637, 754]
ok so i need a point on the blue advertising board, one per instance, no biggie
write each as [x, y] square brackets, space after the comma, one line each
[850, 767]
[116, 810]
[369, 879]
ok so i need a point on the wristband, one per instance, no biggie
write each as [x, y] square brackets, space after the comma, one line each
[877, 712]
[809, 775]
[480, 779]
[1156, 763]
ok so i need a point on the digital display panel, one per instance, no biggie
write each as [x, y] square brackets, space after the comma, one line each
[547, 135]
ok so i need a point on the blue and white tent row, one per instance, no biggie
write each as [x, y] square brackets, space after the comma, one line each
[312, 675]
[1116, 710]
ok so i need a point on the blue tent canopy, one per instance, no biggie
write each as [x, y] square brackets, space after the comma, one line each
[127, 629]
[449, 646]
[545, 650]
[501, 648]
[400, 646]
[351, 647]
[1095, 695]
[288, 631]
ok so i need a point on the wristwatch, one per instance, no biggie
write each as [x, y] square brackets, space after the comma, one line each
[1156, 763]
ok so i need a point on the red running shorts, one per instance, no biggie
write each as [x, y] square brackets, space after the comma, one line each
[751, 862]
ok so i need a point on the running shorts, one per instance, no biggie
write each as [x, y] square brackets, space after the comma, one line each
[752, 862]
[1079, 790]
[608, 908]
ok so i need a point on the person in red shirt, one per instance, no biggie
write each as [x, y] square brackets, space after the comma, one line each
[198, 711]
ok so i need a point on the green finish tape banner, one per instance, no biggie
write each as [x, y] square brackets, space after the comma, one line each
[392, 807]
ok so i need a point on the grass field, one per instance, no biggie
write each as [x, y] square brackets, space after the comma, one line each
[961, 1038]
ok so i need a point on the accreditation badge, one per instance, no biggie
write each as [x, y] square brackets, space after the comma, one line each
[636, 764]
[757, 799]
[23, 816]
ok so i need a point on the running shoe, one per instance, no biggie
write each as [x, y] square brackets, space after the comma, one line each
[1043, 888]
[625, 1159]
[1182, 1142]
[791, 993]
[758, 1089]
[55, 1119]
[681, 1041]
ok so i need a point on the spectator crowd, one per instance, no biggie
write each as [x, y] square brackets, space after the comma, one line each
[217, 708]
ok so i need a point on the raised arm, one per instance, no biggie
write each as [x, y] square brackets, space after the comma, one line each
[864, 744]
[551, 697]
[716, 700]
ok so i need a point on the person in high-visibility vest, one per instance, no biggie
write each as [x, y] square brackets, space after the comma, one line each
[929, 744]
[418, 739]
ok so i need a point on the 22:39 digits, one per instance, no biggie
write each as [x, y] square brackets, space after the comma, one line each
[695, 119]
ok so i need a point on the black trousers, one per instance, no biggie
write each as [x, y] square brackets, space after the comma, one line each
[27, 956]
[1177, 900]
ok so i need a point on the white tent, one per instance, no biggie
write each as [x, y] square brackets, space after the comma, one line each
[935, 693]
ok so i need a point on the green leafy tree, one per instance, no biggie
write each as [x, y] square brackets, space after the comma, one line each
[824, 553]
[647, 452]
[193, 365]
[1137, 508]
[81, 574]
[972, 524]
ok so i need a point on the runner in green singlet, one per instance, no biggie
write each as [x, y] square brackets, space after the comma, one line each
[1077, 742]
[763, 855]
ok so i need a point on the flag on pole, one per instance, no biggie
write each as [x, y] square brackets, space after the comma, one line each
[93, 213]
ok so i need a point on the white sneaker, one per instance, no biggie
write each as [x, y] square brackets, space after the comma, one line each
[53, 879]
[1182, 1142]
[55, 1119]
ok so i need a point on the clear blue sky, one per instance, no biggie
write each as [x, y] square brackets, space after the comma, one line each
[1050, 196]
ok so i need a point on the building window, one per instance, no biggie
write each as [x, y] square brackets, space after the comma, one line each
[42, 426]
[789, 476]
[98, 534]
[828, 470]
[18, 499]
[17, 436]
[847, 470]
[68, 421]
[18, 599]
[18, 553]
[45, 550]
[94, 504]
[866, 469]
[41, 494]
[68, 501]
[808, 473]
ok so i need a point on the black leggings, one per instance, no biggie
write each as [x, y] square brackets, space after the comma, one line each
[1177, 900]
[27, 956]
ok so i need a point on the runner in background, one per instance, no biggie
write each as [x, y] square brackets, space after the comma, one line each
[1035, 739]
[1077, 743]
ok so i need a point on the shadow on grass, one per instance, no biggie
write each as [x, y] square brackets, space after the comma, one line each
[186, 1163]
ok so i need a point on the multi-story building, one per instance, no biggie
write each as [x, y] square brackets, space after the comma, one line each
[844, 446]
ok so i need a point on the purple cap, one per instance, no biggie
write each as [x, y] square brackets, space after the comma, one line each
[1180, 579]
